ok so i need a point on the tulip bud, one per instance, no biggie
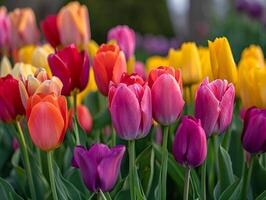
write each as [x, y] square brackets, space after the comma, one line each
[109, 64]
[50, 30]
[24, 30]
[10, 102]
[130, 107]
[214, 105]
[71, 67]
[99, 166]
[84, 118]
[190, 143]
[222, 60]
[166, 91]
[125, 37]
[47, 117]
[255, 52]
[73, 24]
[254, 132]
[5, 28]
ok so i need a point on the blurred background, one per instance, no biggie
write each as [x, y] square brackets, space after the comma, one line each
[161, 24]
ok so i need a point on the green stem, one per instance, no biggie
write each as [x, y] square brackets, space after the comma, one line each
[186, 184]
[102, 195]
[203, 180]
[131, 152]
[246, 178]
[75, 118]
[226, 140]
[113, 139]
[39, 158]
[26, 160]
[163, 171]
[51, 174]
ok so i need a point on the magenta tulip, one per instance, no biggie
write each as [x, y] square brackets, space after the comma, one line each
[130, 107]
[71, 67]
[125, 37]
[190, 143]
[214, 105]
[5, 28]
[254, 132]
[99, 166]
[166, 91]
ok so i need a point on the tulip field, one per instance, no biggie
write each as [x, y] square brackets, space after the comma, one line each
[81, 120]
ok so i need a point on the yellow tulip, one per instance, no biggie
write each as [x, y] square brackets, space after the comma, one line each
[131, 64]
[92, 48]
[205, 61]
[5, 67]
[222, 61]
[174, 57]
[255, 52]
[25, 54]
[156, 61]
[22, 71]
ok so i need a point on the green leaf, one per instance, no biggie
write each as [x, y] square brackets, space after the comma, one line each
[225, 170]
[195, 184]
[262, 196]
[7, 191]
[231, 192]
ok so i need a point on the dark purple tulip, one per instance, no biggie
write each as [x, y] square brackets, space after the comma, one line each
[190, 143]
[254, 132]
[71, 67]
[99, 166]
[255, 9]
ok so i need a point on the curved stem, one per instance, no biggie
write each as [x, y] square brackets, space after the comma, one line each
[203, 180]
[51, 174]
[26, 160]
[186, 184]
[75, 118]
[131, 152]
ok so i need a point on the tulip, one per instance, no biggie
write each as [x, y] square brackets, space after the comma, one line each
[254, 132]
[50, 30]
[109, 64]
[222, 61]
[205, 61]
[5, 67]
[214, 105]
[22, 71]
[130, 107]
[255, 52]
[5, 28]
[188, 60]
[84, 118]
[125, 37]
[99, 166]
[92, 48]
[154, 61]
[190, 143]
[24, 30]
[10, 103]
[167, 104]
[47, 117]
[25, 54]
[140, 69]
[39, 84]
[71, 67]
[73, 24]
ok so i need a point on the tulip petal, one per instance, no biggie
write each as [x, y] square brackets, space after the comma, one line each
[77, 150]
[119, 68]
[84, 75]
[98, 152]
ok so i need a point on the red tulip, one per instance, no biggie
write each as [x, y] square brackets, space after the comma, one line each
[10, 101]
[109, 64]
[50, 30]
[166, 91]
[47, 117]
[71, 67]
[84, 118]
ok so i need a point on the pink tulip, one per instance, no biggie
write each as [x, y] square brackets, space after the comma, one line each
[130, 107]
[214, 105]
[5, 28]
[140, 69]
[166, 91]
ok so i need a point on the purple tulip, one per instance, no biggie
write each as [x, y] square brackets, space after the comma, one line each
[190, 143]
[254, 132]
[166, 91]
[125, 37]
[255, 9]
[99, 166]
[5, 28]
[130, 107]
[214, 105]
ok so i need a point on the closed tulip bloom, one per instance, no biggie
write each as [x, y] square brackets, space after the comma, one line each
[50, 30]
[254, 132]
[253, 51]
[47, 117]
[214, 105]
[99, 166]
[24, 30]
[125, 38]
[84, 118]
[222, 60]
[130, 107]
[154, 61]
[206, 69]
[190, 143]
[5, 28]
[71, 67]
[109, 64]
[73, 24]
[10, 103]
[166, 91]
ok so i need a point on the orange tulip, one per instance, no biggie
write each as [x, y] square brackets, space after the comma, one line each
[47, 117]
